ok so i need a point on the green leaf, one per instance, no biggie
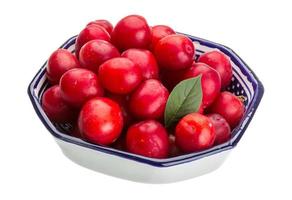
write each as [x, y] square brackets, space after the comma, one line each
[185, 98]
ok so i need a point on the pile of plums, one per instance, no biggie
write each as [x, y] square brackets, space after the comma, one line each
[115, 86]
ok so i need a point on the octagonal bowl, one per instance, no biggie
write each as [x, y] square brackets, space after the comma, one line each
[148, 170]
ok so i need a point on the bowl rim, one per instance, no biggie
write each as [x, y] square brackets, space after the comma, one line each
[167, 162]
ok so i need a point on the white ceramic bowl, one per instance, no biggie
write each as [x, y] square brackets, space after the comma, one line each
[142, 169]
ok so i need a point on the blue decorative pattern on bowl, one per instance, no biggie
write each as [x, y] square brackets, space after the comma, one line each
[244, 83]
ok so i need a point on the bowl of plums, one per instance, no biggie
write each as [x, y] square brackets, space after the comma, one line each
[144, 102]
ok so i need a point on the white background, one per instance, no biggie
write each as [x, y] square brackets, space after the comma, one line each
[32, 165]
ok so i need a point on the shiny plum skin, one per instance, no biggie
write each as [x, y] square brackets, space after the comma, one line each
[194, 132]
[96, 52]
[221, 63]
[228, 106]
[100, 121]
[145, 60]
[131, 32]
[210, 81]
[55, 107]
[174, 52]
[90, 32]
[148, 101]
[79, 85]
[59, 62]
[120, 75]
[148, 138]
[222, 128]
[159, 32]
[103, 23]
